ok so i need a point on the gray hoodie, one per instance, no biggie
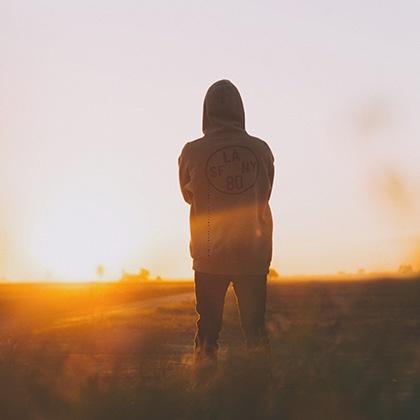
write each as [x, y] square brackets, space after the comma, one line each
[226, 176]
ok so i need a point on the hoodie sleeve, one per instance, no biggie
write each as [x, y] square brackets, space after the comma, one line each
[184, 176]
[270, 168]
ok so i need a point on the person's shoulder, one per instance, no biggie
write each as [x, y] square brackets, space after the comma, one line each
[191, 145]
[262, 144]
[258, 140]
[195, 143]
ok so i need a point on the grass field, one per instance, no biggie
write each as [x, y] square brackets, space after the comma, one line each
[340, 350]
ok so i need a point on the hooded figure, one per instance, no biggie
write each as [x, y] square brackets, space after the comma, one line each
[226, 176]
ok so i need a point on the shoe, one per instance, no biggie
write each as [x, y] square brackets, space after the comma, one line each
[204, 356]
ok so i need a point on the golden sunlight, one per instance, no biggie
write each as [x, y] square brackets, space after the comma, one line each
[74, 237]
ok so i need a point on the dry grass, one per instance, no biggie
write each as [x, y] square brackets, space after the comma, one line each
[340, 350]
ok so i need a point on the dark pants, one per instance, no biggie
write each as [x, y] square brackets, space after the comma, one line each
[210, 291]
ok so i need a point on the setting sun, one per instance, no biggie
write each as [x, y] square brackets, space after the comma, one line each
[75, 236]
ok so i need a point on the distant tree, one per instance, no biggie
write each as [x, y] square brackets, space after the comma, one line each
[361, 271]
[273, 273]
[100, 271]
[405, 269]
[158, 278]
[144, 274]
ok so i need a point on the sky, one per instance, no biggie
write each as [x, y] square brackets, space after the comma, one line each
[97, 99]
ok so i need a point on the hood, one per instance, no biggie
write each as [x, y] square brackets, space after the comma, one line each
[223, 108]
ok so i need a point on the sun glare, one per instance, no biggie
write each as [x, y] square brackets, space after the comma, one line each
[75, 237]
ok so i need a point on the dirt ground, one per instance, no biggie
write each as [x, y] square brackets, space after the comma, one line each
[339, 350]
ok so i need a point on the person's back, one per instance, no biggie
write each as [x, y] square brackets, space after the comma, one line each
[226, 176]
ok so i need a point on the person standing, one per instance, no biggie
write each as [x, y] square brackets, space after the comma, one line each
[226, 177]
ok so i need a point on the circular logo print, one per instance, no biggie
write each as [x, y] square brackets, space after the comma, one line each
[232, 169]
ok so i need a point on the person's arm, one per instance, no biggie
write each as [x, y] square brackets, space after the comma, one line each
[184, 177]
[270, 164]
